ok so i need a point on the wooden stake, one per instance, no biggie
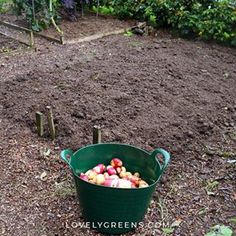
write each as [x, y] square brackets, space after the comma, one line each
[97, 36]
[31, 35]
[97, 134]
[48, 37]
[11, 37]
[51, 122]
[62, 39]
[39, 123]
[13, 26]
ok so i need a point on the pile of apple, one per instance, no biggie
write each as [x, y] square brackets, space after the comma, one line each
[113, 175]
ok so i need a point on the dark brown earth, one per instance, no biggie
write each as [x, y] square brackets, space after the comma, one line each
[87, 25]
[8, 45]
[150, 92]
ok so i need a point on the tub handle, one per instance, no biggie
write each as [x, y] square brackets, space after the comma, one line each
[166, 158]
[66, 155]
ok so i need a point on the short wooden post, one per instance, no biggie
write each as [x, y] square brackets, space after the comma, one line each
[31, 35]
[51, 122]
[62, 39]
[97, 134]
[39, 123]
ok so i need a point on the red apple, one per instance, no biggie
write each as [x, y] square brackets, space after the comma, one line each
[128, 174]
[122, 174]
[84, 177]
[116, 162]
[100, 179]
[134, 179]
[143, 184]
[123, 183]
[114, 177]
[106, 175]
[111, 170]
[111, 182]
[91, 174]
[137, 174]
[118, 170]
[99, 169]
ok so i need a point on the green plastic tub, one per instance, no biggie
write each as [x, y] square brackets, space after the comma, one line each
[115, 210]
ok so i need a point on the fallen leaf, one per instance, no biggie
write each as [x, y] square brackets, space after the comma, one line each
[176, 223]
[45, 152]
[210, 193]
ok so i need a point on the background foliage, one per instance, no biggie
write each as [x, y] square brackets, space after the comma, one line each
[37, 12]
[4, 5]
[208, 19]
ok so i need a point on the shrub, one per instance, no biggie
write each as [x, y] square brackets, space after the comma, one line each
[38, 13]
[208, 19]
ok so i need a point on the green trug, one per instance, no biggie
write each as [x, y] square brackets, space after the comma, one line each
[115, 210]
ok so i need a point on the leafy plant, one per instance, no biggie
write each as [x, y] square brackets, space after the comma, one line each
[38, 13]
[220, 230]
[168, 230]
[104, 10]
[207, 19]
[129, 33]
[4, 5]
[211, 186]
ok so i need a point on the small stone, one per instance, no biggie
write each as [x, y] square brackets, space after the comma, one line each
[43, 176]
[78, 114]
[190, 134]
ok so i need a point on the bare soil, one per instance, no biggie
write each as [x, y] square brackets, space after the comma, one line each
[8, 45]
[146, 91]
[87, 25]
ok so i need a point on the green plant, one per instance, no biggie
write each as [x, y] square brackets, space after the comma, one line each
[207, 19]
[104, 10]
[220, 230]
[38, 13]
[4, 5]
[128, 33]
[211, 187]
[168, 230]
